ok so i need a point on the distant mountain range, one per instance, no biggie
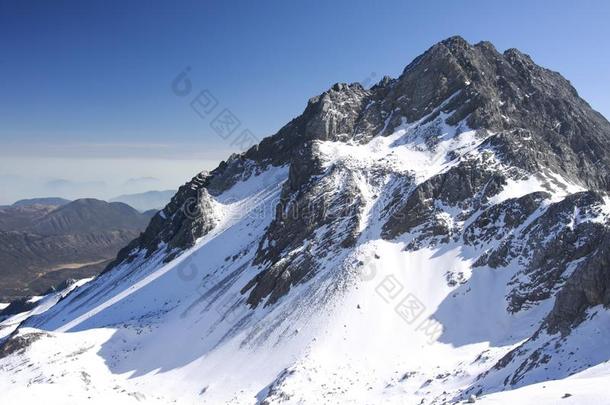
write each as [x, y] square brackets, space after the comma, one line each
[45, 241]
[150, 200]
[54, 201]
[48, 240]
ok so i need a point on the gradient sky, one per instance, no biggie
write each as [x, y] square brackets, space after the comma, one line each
[86, 106]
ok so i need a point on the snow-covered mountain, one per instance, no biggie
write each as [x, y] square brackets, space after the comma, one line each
[438, 236]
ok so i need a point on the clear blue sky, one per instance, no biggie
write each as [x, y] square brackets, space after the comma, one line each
[91, 80]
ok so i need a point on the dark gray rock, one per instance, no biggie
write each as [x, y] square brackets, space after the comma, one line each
[467, 185]
[311, 221]
[565, 252]
[499, 220]
[19, 343]
[587, 287]
[544, 248]
[187, 217]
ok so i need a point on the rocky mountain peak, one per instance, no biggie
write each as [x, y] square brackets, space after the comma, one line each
[471, 189]
[536, 119]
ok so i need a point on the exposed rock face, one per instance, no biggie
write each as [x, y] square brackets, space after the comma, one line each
[530, 125]
[311, 214]
[510, 95]
[563, 253]
[497, 221]
[530, 112]
[467, 185]
[530, 118]
[587, 287]
[186, 217]
[190, 214]
[561, 236]
[19, 343]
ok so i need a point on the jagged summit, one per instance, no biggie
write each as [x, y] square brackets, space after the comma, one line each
[537, 119]
[530, 116]
[470, 192]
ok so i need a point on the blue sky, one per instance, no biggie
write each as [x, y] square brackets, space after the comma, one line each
[86, 86]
